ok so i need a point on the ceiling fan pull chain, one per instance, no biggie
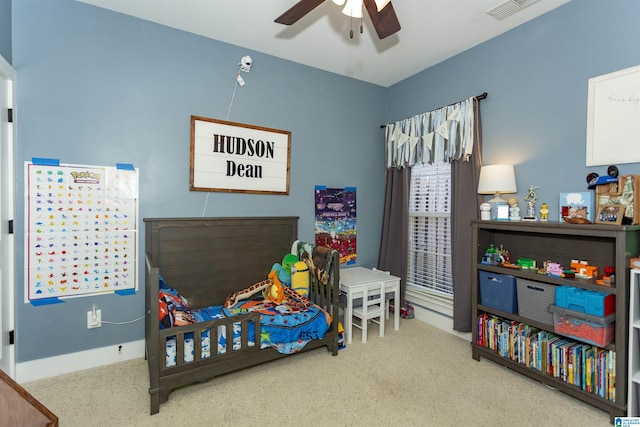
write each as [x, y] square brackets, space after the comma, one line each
[360, 25]
[351, 30]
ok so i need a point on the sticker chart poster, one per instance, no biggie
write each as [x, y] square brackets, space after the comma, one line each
[81, 236]
[335, 224]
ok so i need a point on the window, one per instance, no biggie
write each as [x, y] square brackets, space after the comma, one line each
[429, 280]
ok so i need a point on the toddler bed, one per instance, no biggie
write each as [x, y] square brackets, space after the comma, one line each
[194, 265]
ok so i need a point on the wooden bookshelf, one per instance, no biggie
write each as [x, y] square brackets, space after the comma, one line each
[600, 245]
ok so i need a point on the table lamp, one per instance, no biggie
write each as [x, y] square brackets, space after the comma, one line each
[496, 180]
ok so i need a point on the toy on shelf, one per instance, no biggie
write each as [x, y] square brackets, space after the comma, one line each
[527, 263]
[514, 210]
[553, 269]
[612, 177]
[608, 277]
[485, 211]
[504, 257]
[490, 255]
[531, 204]
[544, 212]
[501, 256]
[584, 270]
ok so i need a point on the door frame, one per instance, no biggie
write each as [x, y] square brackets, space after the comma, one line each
[7, 239]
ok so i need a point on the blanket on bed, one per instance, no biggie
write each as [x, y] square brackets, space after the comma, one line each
[283, 327]
[287, 329]
[203, 315]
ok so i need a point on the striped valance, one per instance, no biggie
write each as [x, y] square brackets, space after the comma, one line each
[438, 136]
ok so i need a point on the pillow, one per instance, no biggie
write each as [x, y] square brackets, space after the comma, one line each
[173, 309]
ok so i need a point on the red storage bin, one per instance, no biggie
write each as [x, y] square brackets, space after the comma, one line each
[584, 327]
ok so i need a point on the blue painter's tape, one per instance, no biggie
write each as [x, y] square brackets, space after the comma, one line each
[351, 189]
[125, 166]
[45, 301]
[46, 162]
[125, 292]
[321, 187]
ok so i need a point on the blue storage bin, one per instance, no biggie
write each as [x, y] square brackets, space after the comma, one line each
[586, 301]
[498, 291]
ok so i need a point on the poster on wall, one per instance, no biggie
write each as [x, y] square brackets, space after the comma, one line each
[335, 224]
[81, 234]
[238, 158]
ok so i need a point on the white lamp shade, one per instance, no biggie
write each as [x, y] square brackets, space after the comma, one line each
[380, 4]
[496, 179]
[353, 8]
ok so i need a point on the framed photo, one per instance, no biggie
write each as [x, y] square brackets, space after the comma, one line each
[238, 158]
[577, 204]
[502, 212]
[613, 130]
[610, 214]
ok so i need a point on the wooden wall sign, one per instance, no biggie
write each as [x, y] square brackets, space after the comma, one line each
[238, 158]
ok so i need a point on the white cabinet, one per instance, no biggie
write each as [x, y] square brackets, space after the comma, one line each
[633, 406]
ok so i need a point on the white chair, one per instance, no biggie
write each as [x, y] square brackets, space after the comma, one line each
[387, 298]
[372, 307]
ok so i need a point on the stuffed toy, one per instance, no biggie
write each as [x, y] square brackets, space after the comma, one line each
[236, 297]
[274, 293]
[284, 275]
[300, 278]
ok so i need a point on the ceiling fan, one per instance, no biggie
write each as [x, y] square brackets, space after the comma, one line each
[382, 14]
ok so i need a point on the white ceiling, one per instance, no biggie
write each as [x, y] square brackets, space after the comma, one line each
[432, 31]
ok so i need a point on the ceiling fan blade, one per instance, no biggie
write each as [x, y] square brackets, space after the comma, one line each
[385, 22]
[298, 10]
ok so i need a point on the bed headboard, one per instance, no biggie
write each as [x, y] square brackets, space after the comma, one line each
[206, 259]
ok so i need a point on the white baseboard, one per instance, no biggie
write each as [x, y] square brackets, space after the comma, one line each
[81, 360]
[438, 320]
[72, 362]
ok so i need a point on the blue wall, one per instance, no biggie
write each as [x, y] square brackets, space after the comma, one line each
[536, 75]
[5, 29]
[96, 87]
[100, 88]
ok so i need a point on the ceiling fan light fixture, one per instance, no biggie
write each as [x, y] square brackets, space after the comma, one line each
[380, 4]
[383, 15]
[353, 8]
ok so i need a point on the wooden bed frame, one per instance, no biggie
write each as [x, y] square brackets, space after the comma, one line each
[207, 259]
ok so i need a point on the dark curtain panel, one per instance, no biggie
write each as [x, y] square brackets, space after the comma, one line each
[465, 203]
[394, 240]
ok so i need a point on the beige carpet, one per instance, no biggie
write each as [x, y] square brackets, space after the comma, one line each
[417, 376]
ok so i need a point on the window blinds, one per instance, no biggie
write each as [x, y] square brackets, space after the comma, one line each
[429, 253]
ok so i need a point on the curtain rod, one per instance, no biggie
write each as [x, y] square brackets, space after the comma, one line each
[480, 97]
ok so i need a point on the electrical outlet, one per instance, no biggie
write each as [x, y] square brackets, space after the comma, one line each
[94, 318]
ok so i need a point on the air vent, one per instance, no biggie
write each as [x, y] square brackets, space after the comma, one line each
[508, 8]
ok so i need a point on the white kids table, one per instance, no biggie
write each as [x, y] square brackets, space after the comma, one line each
[353, 280]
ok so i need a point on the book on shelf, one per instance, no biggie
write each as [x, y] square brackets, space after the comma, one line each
[588, 367]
